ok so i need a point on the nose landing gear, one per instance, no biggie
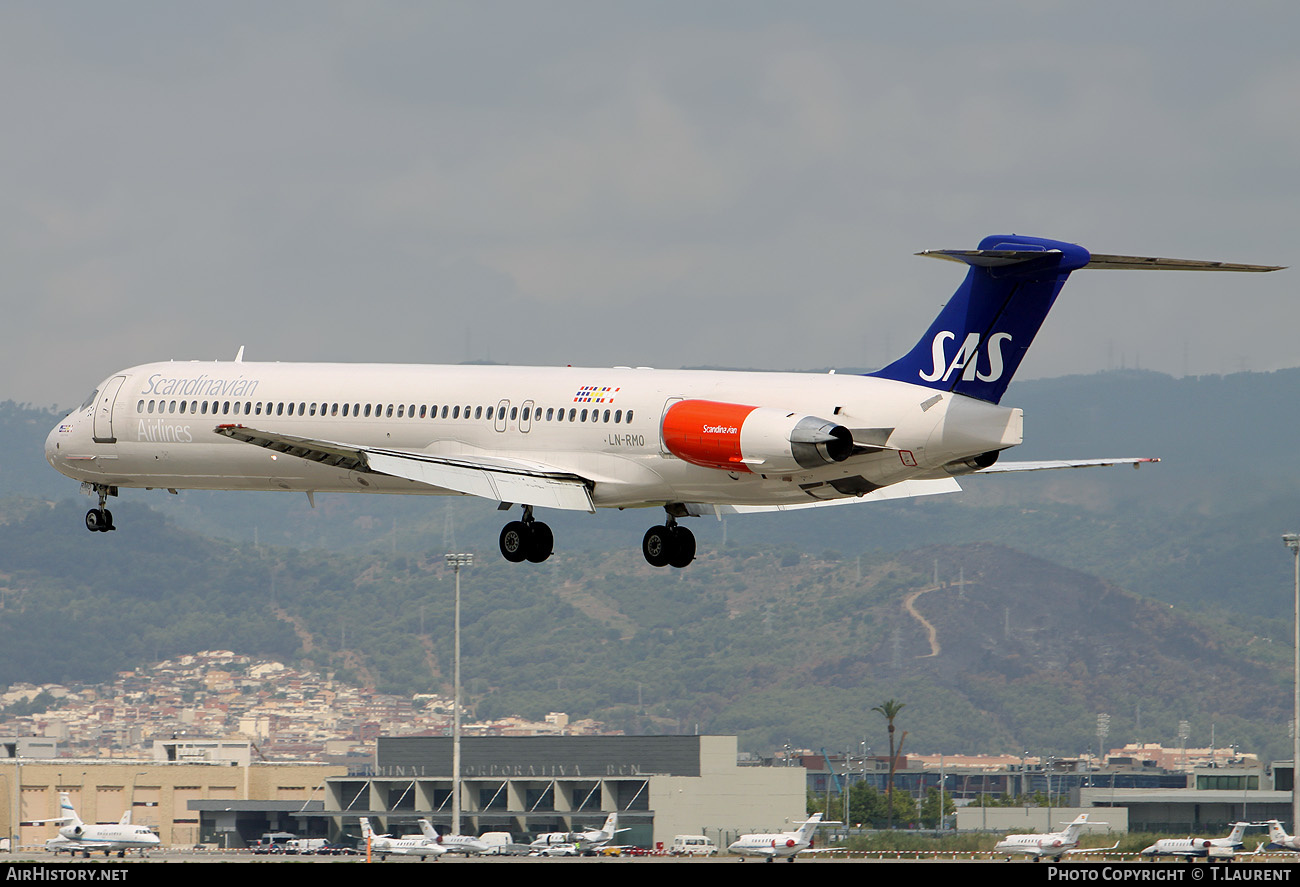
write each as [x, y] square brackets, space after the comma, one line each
[100, 520]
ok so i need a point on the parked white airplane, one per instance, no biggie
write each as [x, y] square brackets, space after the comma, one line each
[76, 836]
[386, 845]
[586, 841]
[1199, 846]
[1053, 845]
[465, 844]
[572, 438]
[781, 844]
[1278, 839]
[598, 838]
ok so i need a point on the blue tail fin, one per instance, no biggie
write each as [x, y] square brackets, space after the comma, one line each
[977, 342]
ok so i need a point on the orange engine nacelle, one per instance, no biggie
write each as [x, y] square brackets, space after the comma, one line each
[736, 437]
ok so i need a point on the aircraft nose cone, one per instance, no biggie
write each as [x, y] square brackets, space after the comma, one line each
[52, 445]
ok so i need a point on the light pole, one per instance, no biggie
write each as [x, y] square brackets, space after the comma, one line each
[456, 561]
[1292, 541]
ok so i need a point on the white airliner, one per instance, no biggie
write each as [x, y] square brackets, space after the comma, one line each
[386, 845]
[690, 442]
[781, 844]
[76, 836]
[465, 844]
[1197, 847]
[1053, 845]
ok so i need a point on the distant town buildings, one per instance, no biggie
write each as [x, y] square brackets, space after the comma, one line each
[287, 714]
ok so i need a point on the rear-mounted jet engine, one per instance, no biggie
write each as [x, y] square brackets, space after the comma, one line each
[736, 437]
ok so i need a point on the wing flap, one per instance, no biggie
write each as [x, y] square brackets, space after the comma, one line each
[907, 489]
[497, 478]
[519, 487]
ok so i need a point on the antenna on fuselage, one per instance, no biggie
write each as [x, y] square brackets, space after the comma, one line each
[239, 358]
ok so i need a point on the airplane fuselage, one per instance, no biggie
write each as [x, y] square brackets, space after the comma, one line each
[104, 838]
[153, 426]
[1054, 845]
[776, 846]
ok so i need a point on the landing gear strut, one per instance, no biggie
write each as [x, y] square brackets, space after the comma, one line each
[528, 539]
[668, 545]
[100, 520]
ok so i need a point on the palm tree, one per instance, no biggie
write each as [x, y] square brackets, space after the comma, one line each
[890, 710]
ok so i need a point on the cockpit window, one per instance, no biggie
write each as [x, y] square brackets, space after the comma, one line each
[90, 401]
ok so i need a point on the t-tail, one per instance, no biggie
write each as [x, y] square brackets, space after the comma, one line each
[977, 342]
[66, 811]
[611, 825]
[1072, 830]
[808, 827]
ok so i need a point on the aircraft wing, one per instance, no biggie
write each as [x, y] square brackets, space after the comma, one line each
[1080, 852]
[501, 479]
[1006, 467]
[902, 490]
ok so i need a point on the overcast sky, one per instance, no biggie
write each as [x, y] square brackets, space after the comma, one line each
[653, 183]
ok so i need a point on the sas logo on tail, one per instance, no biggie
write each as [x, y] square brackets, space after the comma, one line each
[967, 358]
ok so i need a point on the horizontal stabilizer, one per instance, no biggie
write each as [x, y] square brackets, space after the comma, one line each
[998, 258]
[1138, 263]
[989, 258]
[1050, 464]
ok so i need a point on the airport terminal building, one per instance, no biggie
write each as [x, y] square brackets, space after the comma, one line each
[660, 786]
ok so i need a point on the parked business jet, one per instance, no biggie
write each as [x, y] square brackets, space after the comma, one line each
[690, 442]
[1053, 845]
[781, 844]
[76, 836]
[1278, 839]
[386, 845]
[594, 839]
[1197, 847]
[466, 844]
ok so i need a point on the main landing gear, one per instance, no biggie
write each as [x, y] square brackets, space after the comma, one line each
[100, 520]
[528, 539]
[668, 545]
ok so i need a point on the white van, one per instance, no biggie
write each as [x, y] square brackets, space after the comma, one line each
[693, 845]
